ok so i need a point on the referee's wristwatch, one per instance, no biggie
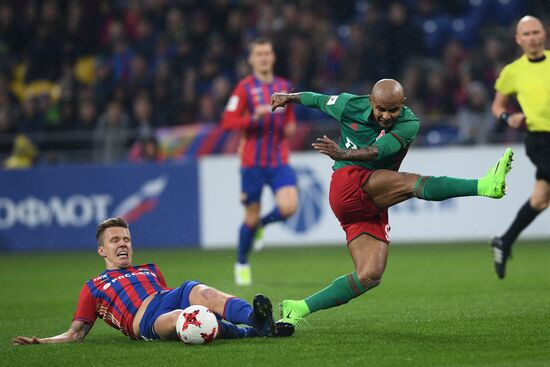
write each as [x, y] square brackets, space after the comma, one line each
[504, 117]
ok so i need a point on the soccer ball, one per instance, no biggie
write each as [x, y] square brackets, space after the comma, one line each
[197, 325]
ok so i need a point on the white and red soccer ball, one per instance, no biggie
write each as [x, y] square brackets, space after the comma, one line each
[197, 325]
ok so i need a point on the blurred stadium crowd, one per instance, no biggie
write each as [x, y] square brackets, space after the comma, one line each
[86, 80]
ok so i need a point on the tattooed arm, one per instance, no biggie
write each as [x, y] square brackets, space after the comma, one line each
[78, 331]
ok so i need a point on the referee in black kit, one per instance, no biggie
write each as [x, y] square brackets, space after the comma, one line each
[528, 78]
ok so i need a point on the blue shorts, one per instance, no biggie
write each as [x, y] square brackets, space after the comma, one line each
[163, 302]
[253, 180]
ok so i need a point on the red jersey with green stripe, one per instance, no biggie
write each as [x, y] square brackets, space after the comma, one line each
[116, 295]
[264, 142]
[360, 130]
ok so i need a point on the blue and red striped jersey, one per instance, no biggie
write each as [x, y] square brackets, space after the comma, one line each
[115, 295]
[264, 141]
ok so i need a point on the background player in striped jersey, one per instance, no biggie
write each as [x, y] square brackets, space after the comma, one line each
[376, 132]
[264, 149]
[529, 79]
[136, 300]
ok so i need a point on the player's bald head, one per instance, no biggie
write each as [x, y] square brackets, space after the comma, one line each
[528, 21]
[388, 92]
[387, 99]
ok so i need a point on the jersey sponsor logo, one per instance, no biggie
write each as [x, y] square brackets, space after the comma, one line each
[79, 210]
[127, 275]
[232, 104]
[332, 100]
[310, 207]
[349, 144]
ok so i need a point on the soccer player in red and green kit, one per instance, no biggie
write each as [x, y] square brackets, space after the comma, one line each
[376, 132]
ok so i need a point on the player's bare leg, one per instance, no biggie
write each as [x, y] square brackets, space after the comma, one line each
[286, 199]
[236, 310]
[209, 297]
[370, 256]
[387, 188]
[165, 324]
[233, 309]
[252, 214]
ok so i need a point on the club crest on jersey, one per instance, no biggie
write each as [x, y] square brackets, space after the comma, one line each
[382, 133]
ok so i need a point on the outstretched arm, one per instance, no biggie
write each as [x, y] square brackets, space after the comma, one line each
[282, 99]
[78, 331]
[332, 105]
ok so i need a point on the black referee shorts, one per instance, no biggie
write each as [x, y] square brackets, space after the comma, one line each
[537, 146]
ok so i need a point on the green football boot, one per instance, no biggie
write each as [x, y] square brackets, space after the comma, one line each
[293, 312]
[493, 184]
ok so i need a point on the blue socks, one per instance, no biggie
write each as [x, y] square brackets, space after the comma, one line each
[231, 331]
[237, 311]
[274, 216]
[246, 236]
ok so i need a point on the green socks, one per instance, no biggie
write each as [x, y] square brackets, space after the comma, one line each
[439, 188]
[340, 291]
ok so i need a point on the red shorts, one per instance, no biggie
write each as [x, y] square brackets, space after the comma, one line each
[354, 208]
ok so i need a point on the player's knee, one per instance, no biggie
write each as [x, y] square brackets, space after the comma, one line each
[408, 182]
[252, 221]
[539, 205]
[540, 202]
[206, 294]
[288, 209]
[370, 279]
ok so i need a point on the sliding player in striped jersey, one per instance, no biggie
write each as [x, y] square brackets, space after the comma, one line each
[264, 150]
[376, 132]
[137, 301]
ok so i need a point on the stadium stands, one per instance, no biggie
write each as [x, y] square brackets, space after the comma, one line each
[64, 63]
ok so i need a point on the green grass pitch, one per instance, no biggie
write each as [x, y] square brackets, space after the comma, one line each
[438, 305]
